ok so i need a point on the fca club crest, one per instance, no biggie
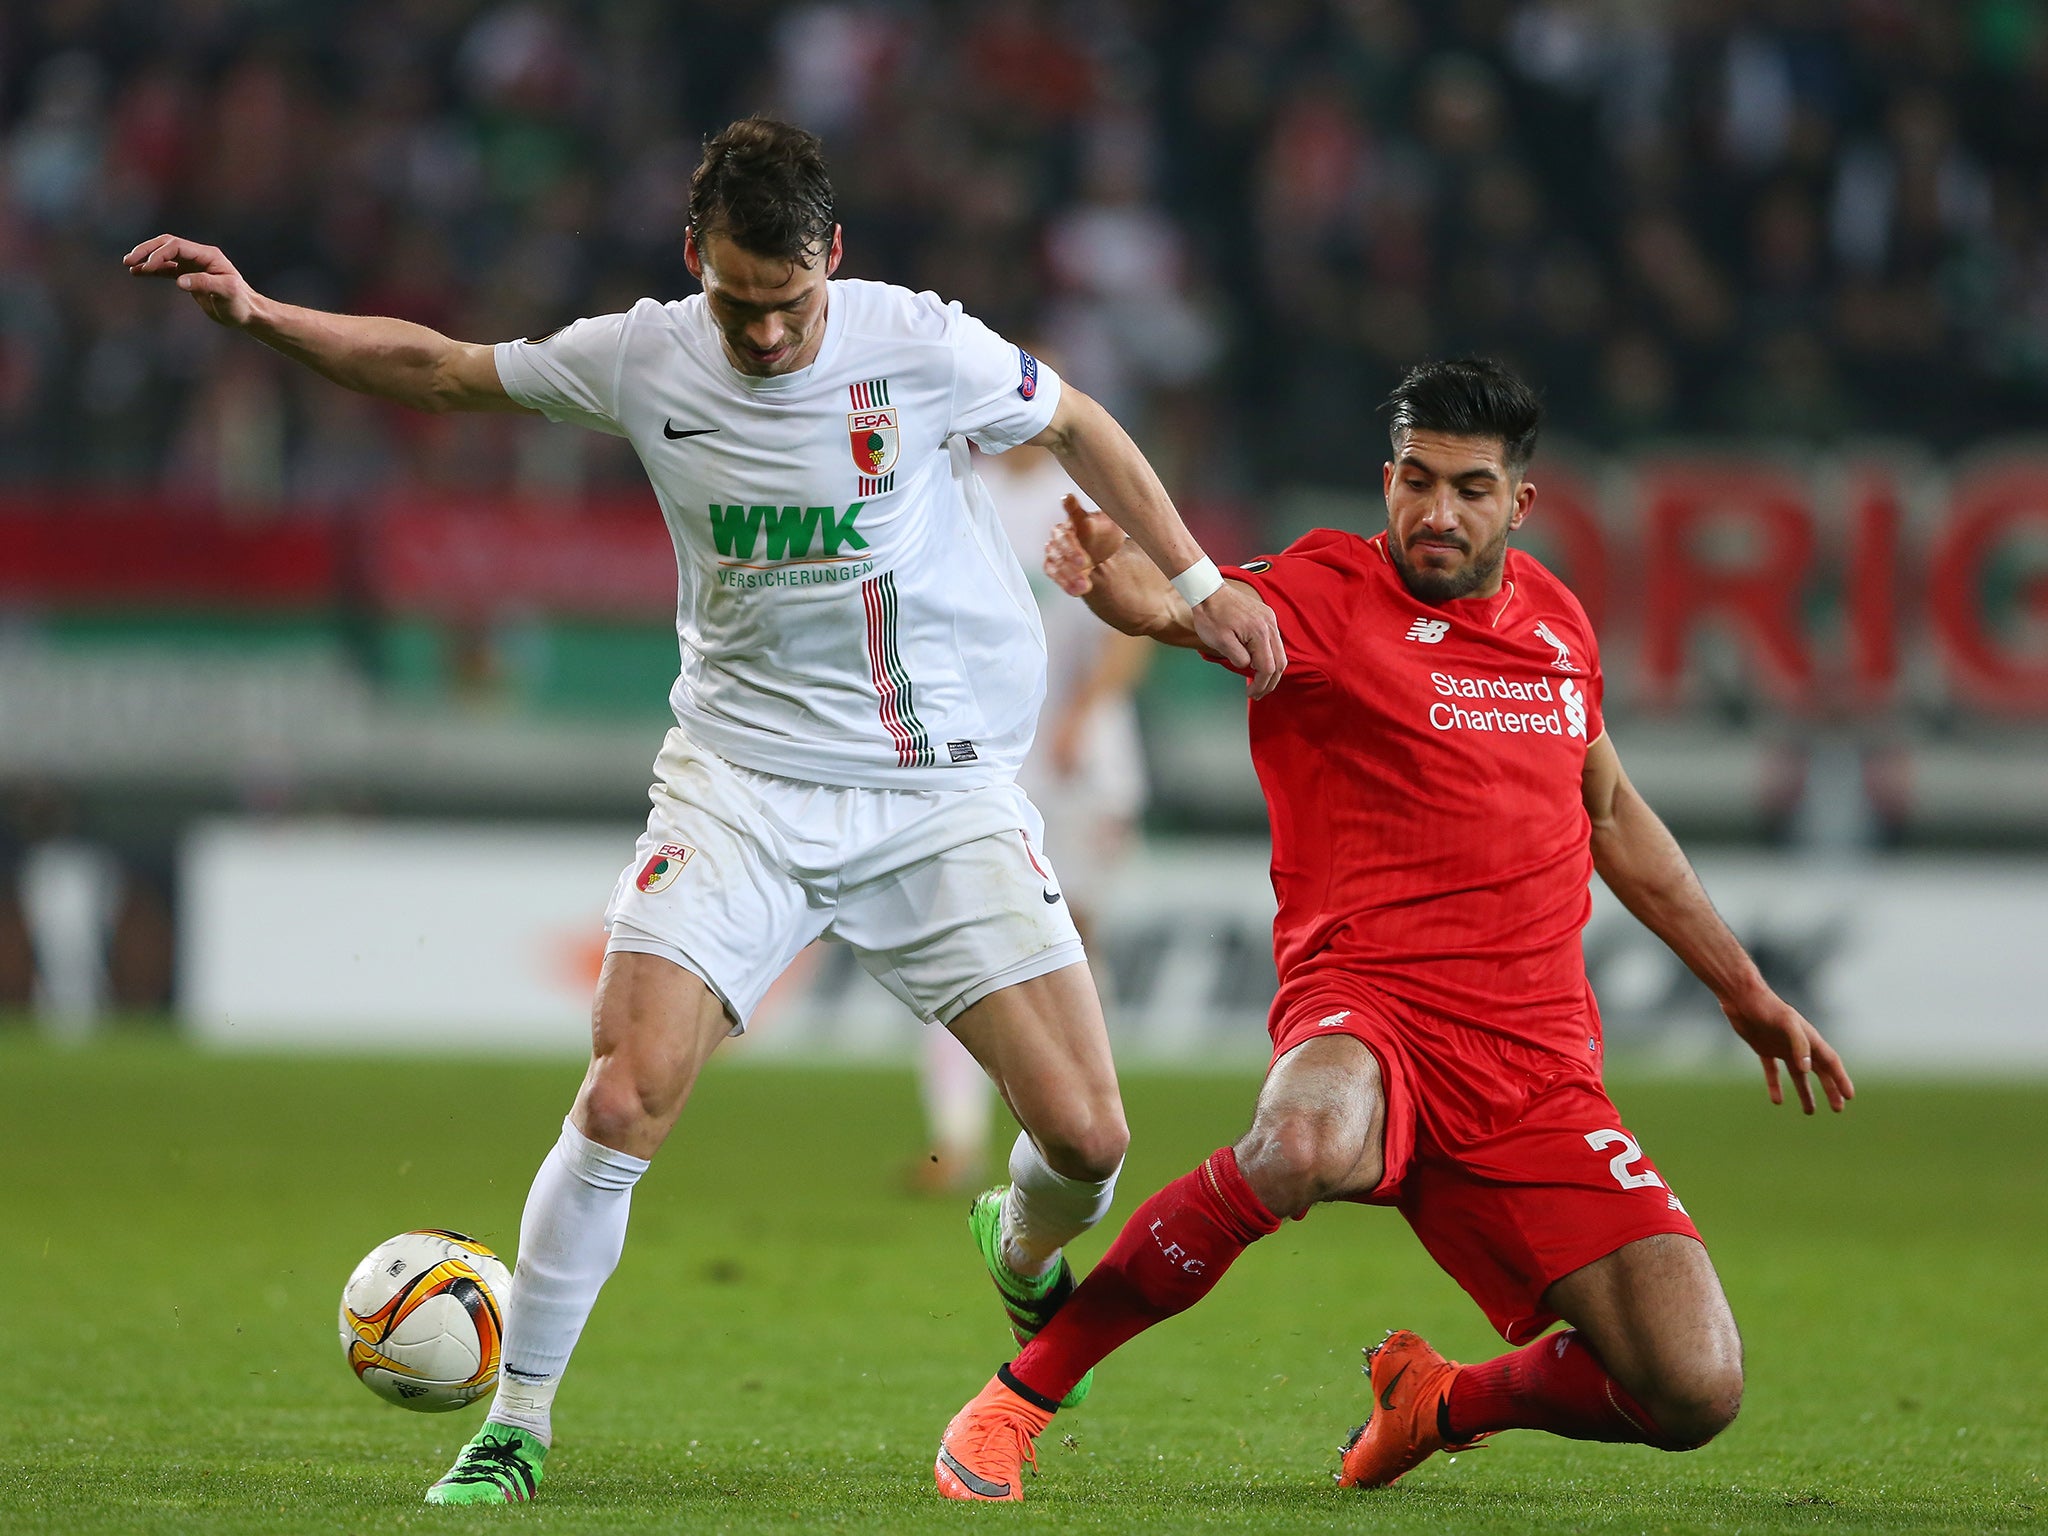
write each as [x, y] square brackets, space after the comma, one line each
[872, 434]
[660, 871]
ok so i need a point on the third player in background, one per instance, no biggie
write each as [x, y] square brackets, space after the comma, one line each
[1085, 773]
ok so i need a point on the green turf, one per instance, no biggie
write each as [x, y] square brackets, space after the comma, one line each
[788, 1334]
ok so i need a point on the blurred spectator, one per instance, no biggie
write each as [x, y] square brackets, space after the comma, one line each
[85, 926]
[1239, 218]
[1637, 390]
[1125, 309]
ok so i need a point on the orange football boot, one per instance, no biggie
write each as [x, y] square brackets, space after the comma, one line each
[983, 1453]
[1409, 1384]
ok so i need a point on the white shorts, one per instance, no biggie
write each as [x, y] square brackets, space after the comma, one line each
[945, 895]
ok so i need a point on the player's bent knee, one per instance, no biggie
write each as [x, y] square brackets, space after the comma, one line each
[613, 1111]
[1087, 1147]
[1292, 1160]
[1690, 1414]
[1689, 1427]
[621, 1099]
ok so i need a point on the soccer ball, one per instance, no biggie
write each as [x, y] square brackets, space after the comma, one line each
[423, 1320]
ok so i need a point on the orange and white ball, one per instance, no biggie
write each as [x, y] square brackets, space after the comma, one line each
[423, 1320]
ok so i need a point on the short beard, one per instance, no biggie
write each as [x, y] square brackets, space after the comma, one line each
[1448, 586]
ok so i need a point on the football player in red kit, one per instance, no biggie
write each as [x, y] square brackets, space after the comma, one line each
[1441, 790]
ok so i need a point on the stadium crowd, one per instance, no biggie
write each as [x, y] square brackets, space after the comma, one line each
[1233, 220]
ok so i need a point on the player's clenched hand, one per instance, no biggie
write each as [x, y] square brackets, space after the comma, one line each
[1232, 623]
[202, 271]
[1777, 1032]
[1078, 545]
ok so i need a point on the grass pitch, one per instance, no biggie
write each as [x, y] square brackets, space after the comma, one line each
[788, 1333]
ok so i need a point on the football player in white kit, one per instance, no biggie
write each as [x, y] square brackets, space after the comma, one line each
[861, 671]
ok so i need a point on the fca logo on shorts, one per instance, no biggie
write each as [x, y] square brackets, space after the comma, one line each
[1429, 631]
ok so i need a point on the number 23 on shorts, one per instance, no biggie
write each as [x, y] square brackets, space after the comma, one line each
[1618, 1165]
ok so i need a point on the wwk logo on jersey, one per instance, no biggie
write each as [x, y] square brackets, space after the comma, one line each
[1429, 631]
[785, 533]
[660, 871]
[1548, 636]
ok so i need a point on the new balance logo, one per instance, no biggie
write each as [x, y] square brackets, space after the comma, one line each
[1563, 662]
[1429, 631]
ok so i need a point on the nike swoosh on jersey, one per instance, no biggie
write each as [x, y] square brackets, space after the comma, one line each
[668, 431]
[1052, 898]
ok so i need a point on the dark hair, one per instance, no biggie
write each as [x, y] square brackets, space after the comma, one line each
[1468, 397]
[763, 185]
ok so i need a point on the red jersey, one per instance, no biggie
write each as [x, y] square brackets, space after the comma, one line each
[1421, 765]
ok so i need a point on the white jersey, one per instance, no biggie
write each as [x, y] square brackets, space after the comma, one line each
[848, 610]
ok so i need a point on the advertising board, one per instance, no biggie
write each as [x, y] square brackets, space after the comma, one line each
[463, 938]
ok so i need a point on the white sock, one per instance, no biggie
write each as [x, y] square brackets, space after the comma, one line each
[570, 1239]
[1044, 1210]
[958, 1097]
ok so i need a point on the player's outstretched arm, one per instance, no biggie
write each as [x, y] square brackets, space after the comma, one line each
[1231, 622]
[1089, 557]
[1643, 865]
[392, 359]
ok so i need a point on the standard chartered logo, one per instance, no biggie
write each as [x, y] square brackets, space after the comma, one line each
[1574, 708]
[786, 533]
[1452, 712]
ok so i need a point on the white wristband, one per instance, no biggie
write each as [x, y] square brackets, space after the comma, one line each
[1199, 582]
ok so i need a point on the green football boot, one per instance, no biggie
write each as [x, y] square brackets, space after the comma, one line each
[500, 1466]
[1030, 1302]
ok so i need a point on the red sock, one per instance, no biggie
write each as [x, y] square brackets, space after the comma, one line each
[1169, 1255]
[1557, 1384]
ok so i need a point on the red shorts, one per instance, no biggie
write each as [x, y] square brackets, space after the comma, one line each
[1506, 1157]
